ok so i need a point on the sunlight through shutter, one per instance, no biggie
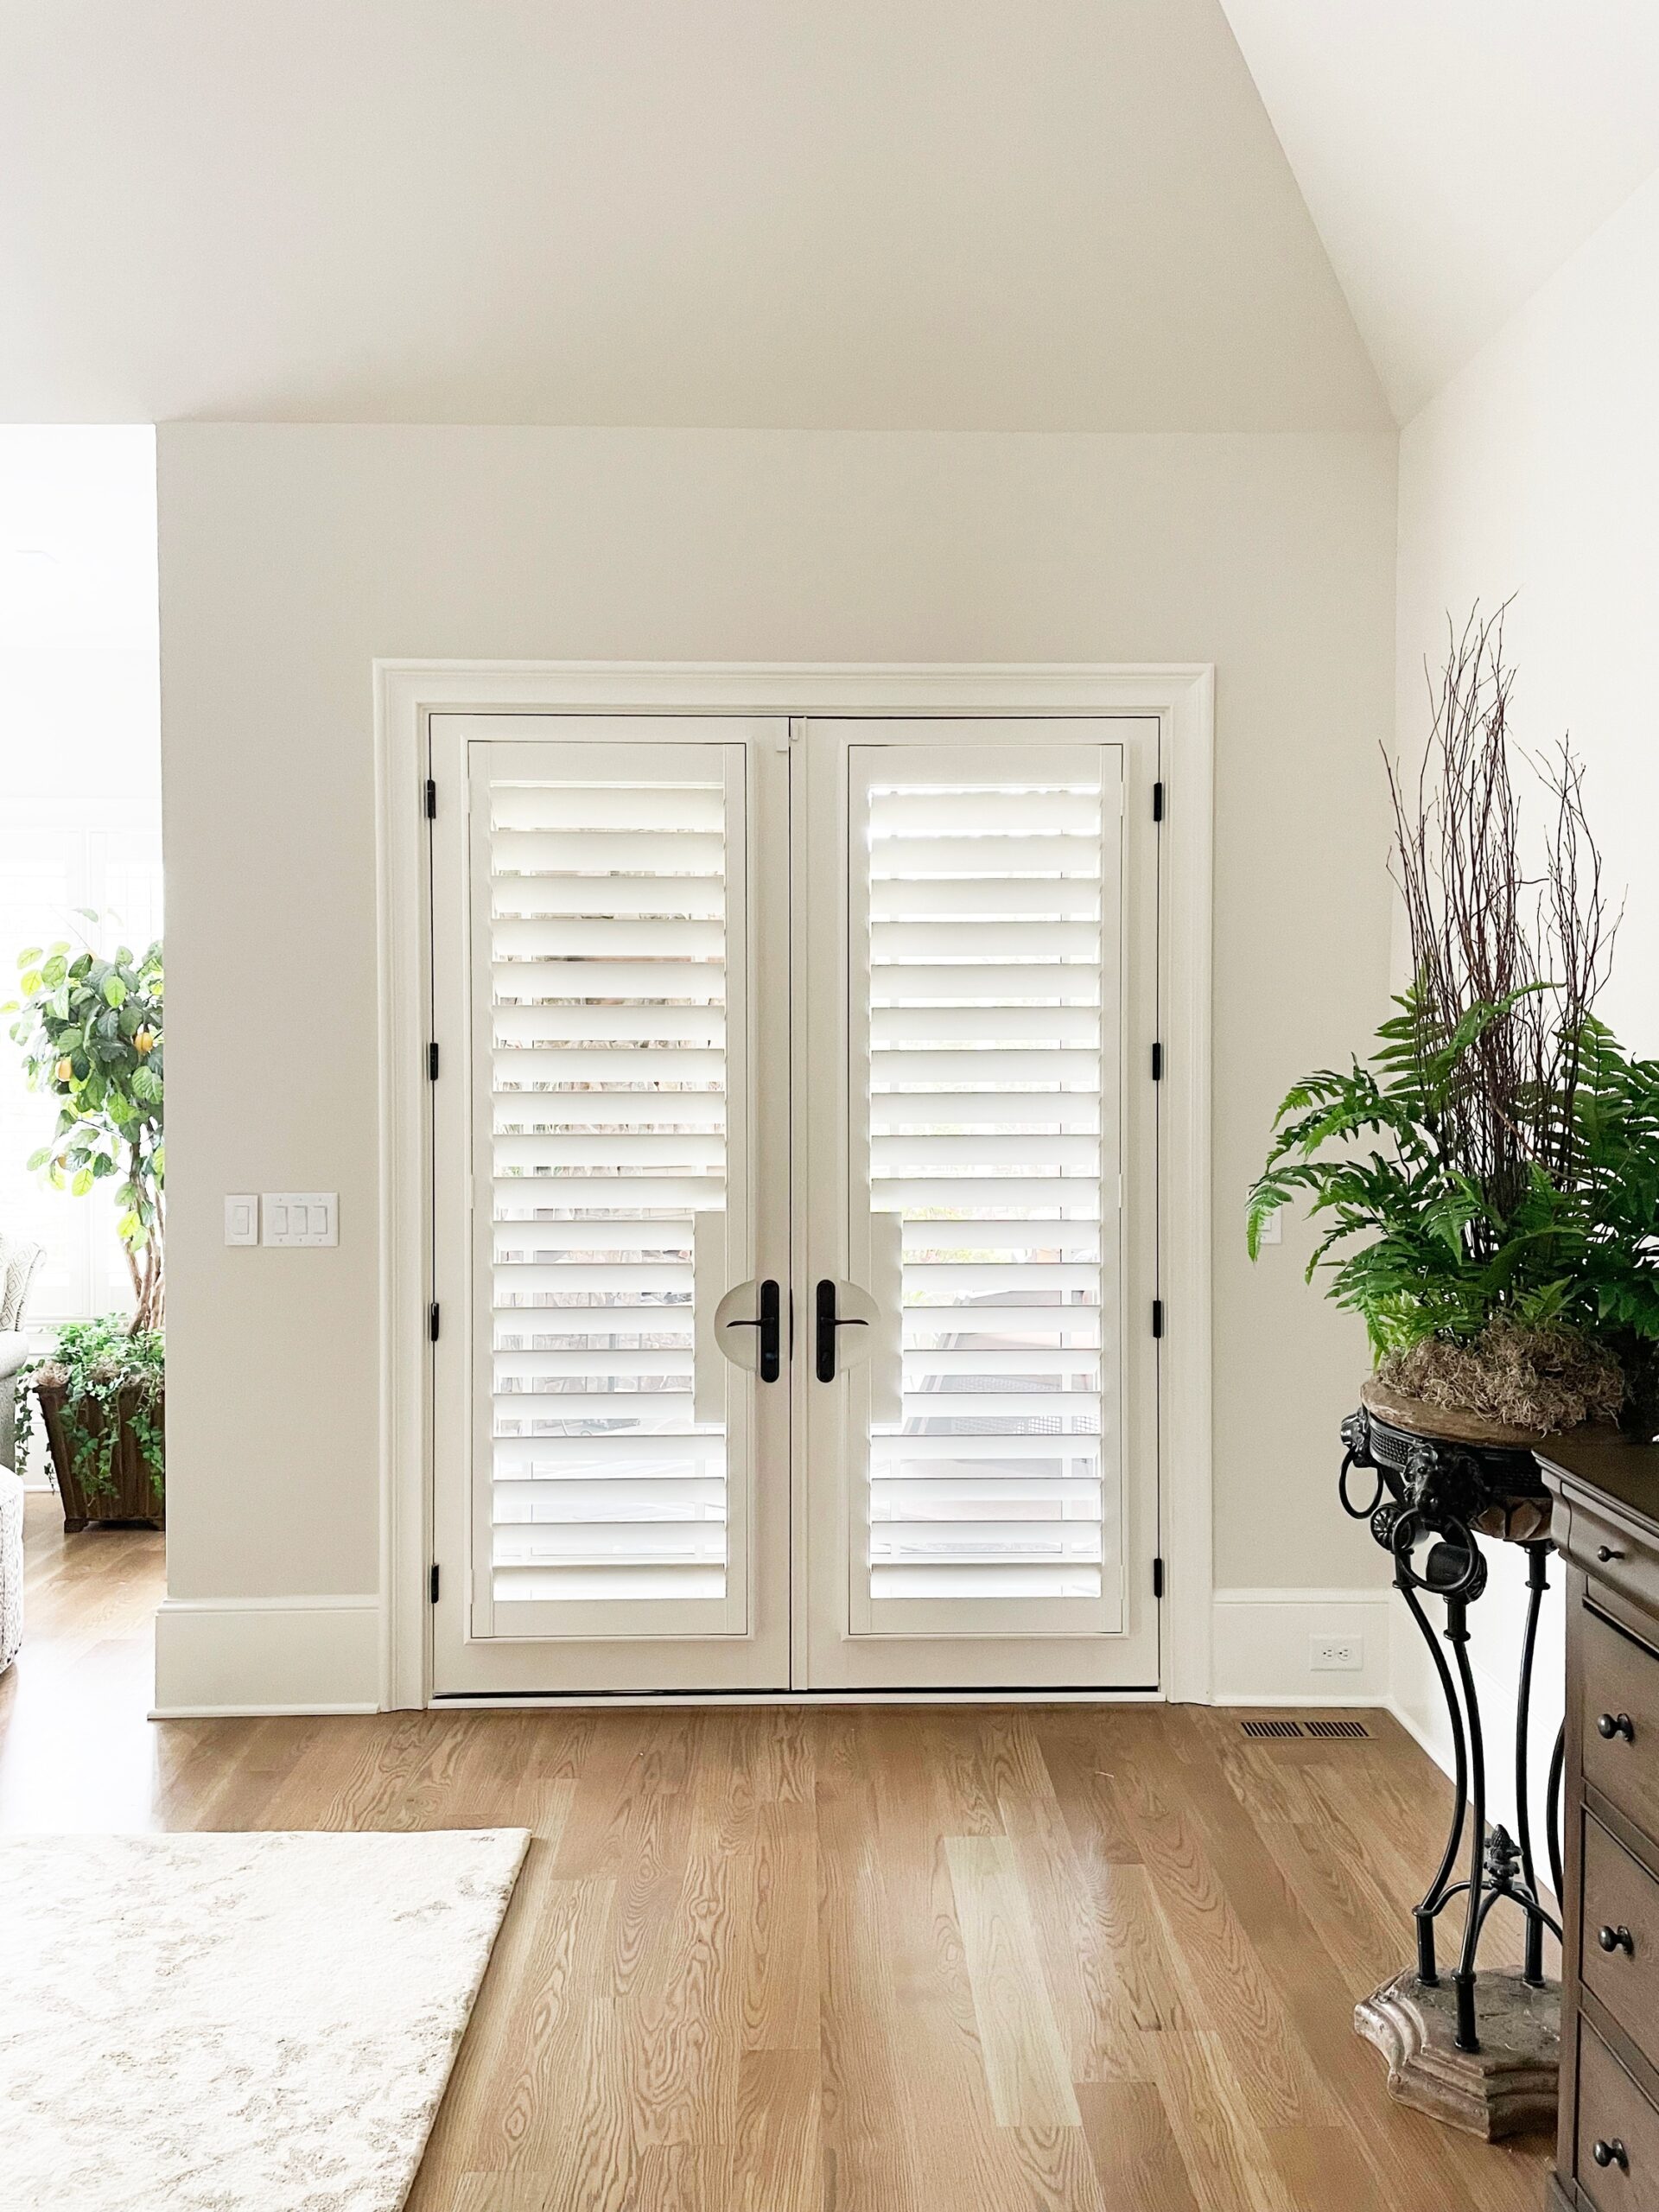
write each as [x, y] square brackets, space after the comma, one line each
[608, 976]
[993, 1016]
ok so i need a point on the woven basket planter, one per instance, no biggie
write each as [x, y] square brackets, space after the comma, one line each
[132, 1494]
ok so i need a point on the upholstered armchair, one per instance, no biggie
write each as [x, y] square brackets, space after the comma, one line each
[18, 1261]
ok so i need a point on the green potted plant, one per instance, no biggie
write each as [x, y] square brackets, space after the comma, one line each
[91, 1029]
[1488, 1180]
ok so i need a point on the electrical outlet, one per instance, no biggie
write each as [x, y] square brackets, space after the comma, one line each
[1341, 1653]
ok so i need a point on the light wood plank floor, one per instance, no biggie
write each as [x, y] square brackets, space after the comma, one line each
[1056, 1959]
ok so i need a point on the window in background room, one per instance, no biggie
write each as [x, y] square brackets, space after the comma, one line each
[79, 783]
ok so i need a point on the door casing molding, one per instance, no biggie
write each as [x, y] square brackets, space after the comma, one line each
[408, 692]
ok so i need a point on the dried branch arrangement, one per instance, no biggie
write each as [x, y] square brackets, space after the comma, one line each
[1485, 932]
[1487, 1182]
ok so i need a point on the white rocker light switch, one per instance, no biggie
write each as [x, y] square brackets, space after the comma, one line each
[300, 1216]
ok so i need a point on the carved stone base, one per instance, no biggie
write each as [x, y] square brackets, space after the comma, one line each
[1506, 2087]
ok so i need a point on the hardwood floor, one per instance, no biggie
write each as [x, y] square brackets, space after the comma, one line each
[1064, 1958]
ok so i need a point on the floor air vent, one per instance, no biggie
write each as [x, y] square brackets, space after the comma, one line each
[1271, 1727]
[1336, 1728]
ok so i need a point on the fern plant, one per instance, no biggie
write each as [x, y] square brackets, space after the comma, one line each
[1419, 1247]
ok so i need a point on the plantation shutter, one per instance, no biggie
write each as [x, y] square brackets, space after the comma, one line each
[609, 1121]
[986, 1048]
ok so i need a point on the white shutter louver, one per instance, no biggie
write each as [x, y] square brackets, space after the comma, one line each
[992, 1021]
[607, 1085]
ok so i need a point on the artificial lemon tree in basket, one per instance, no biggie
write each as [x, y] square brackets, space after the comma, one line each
[89, 1028]
[1488, 1178]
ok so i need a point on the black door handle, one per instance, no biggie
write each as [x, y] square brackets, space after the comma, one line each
[829, 1322]
[770, 1326]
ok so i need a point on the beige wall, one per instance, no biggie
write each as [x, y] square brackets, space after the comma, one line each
[1535, 472]
[292, 556]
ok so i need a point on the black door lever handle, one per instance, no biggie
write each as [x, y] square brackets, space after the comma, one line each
[770, 1326]
[829, 1321]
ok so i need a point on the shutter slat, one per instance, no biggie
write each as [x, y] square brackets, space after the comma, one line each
[958, 1195]
[1075, 983]
[547, 1153]
[562, 1109]
[602, 852]
[590, 936]
[607, 1586]
[702, 1026]
[519, 1068]
[915, 1153]
[520, 982]
[991, 1025]
[630, 808]
[922, 858]
[546, 897]
[936, 814]
[1035, 899]
[1000, 939]
[516, 1364]
[518, 1197]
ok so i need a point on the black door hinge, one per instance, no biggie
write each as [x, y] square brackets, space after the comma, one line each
[433, 1585]
[431, 1063]
[432, 1323]
[1157, 1063]
[1157, 1317]
[1157, 1577]
[431, 800]
[1157, 801]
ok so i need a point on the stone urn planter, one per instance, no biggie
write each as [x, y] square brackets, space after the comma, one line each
[131, 1492]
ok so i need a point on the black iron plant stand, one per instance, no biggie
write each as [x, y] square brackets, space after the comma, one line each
[1432, 1501]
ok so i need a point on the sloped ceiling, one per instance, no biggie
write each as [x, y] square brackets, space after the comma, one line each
[900, 213]
[1453, 153]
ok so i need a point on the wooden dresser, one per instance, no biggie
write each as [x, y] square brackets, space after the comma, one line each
[1607, 1526]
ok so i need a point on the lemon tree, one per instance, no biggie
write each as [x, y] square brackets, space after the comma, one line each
[91, 1033]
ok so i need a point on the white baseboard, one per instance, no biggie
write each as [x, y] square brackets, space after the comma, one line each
[254, 1656]
[1262, 1643]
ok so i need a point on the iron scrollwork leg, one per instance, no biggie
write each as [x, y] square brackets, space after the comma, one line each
[1435, 1492]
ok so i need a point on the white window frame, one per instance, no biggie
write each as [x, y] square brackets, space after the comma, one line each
[1181, 696]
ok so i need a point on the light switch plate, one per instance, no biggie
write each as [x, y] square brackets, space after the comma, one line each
[242, 1218]
[309, 1217]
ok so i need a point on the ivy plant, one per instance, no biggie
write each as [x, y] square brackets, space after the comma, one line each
[112, 1378]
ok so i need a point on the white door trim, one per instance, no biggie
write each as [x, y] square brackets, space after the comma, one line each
[406, 692]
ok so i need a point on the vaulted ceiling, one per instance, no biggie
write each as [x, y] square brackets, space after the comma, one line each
[1453, 153]
[1026, 214]
[896, 214]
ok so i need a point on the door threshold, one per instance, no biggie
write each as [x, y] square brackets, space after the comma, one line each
[487, 1701]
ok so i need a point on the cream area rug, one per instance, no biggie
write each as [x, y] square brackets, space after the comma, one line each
[235, 2022]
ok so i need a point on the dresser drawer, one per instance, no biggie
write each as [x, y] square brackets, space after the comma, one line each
[1611, 1556]
[1614, 2114]
[1620, 1713]
[1621, 1900]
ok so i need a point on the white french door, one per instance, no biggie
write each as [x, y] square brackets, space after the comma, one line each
[794, 1214]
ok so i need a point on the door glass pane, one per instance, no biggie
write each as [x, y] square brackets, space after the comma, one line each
[606, 1138]
[992, 1041]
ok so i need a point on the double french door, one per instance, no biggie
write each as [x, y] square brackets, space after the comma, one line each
[794, 1207]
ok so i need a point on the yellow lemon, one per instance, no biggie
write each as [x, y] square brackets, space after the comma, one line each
[143, 1042]
[63, 1071]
